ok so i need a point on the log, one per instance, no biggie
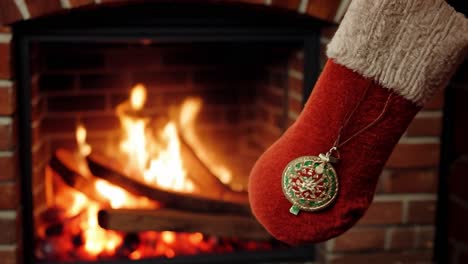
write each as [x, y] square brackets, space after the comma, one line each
[112, 171]
[72, 168]
[203, 177]
[128, 220]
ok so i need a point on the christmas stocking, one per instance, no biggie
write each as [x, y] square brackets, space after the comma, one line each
[386, 60]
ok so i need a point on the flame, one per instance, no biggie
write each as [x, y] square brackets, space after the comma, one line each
[138, 97]
[97, 239]
[80, 136]
[159, 163]
[189, 110]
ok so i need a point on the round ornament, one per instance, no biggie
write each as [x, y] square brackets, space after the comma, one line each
[310, 183]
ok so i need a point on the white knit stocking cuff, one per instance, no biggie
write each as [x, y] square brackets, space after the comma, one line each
[409, 46]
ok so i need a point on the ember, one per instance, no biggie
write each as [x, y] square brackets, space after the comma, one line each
[154, 158]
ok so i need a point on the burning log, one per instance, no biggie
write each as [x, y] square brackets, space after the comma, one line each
[112, 171]
[72, 168]
[128, 220]
[205, 178]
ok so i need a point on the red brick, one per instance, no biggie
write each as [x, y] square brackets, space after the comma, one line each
[58, 125]
[42, 7]
[296, 63]
[414, 155]
[8, 197]
[437, 101]
[383, 213]
[360, 239]
[273, 98]
[295, 105]
[402, 238]
[410, 181]
[324, 9]
[425, 126]
[8, 167]
[6, 134]
[4, 29]
[76, 103]
[8, 256]
[457, 219]
[9, 12]
[295, 85]
[7, 100]
[421, 212]
[458, 179]
[409, 257]
[7, 230]
[5, 63]
[75, 3]
[426, 238]
[289, 4]
[100, 122]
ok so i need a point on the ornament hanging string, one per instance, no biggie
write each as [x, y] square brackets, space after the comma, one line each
[337, 144]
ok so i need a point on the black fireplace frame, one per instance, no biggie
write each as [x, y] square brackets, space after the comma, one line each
[163, 23]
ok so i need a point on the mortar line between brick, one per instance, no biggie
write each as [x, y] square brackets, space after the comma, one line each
[417, 237]
[293, 114]
[4, 154]
[303, 6]
[342, 8]
[23, 9]
[410, 196]
[65, 4]
[388, 237]
[5, 37]
[437, 113]
[8, 247]
[295, 74]
[7, 215]
[295, 95]
[5, 120]
[6, 83]
[419, 140]
[404, 213]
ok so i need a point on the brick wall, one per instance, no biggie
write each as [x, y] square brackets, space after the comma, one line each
[10, 208]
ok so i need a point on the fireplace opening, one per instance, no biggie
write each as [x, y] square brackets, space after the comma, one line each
[140, 124]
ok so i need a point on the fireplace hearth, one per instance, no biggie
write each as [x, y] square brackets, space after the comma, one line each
[156, 104]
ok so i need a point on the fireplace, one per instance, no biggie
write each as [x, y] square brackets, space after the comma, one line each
[139, 126]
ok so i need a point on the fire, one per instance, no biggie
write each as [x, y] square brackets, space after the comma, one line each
[154, 156]
[159, 162]
[80, 135]
[189, 110]
[138, 97]
[98, 240]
